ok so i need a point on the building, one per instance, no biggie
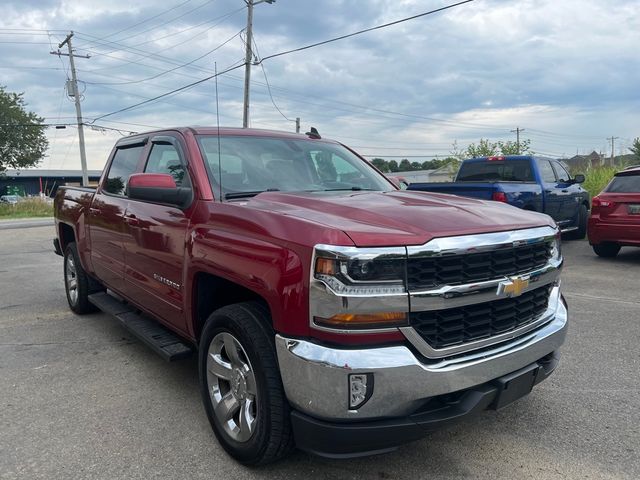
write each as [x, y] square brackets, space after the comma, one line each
[34, 181]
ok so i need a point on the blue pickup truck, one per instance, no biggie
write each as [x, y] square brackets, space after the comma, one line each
[524, 181]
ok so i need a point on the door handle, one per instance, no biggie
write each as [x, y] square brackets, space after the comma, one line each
[565, 191]
[94, 211]
[131, 220]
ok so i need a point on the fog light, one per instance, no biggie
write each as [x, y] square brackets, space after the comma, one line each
[360, 389]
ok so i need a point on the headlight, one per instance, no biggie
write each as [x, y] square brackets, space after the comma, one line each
[350, 275]
[556, 250]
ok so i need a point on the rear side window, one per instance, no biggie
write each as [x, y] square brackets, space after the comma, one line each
[624, 184]
[496, 171]
[164, 158]
[125, 163]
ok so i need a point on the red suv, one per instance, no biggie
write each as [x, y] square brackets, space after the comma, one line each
[615, 214]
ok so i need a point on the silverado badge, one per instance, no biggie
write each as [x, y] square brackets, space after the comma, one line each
[514, 287]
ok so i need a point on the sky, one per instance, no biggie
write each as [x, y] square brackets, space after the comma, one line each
[565, 71]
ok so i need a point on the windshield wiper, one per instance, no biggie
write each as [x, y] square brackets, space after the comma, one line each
[234, 195]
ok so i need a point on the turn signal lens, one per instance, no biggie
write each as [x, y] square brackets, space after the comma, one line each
[363, 320]
[326, 266]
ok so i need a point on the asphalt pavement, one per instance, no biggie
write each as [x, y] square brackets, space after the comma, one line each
[81, 398]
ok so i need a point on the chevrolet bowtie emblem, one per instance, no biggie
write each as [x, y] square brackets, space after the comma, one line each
[513, 287]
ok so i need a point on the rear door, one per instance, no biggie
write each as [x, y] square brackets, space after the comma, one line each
[548, 179]
[155, 237]
[106, 215]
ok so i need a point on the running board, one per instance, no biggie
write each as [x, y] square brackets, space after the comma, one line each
[161, 340]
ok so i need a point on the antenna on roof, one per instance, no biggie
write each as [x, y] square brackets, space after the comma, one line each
[215, 66]
[313, 133]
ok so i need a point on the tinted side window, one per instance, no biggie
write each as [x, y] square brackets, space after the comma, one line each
[546, 171]
[123, 165]
[563, 175]
[164, 158]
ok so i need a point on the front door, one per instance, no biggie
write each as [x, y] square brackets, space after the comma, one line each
[552, 200]
[569, 193]
[155, 240]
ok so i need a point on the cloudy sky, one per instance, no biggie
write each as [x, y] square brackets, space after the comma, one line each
[566, 71]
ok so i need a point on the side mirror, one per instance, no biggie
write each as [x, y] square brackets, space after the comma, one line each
[579, 178]
[158, 188]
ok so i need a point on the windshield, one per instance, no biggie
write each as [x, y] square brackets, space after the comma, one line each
[251, 165]
[496, 171]
[624, 184]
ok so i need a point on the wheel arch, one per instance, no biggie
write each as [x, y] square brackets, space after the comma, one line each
[211, 292]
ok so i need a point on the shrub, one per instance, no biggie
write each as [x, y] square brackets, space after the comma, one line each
[29, 207]
[597, 178]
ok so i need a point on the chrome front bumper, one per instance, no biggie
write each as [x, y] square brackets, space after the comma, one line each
[316, 377]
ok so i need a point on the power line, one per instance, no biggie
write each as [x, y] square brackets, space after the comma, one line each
[185, 87]
[359, 32]
[148, 19]
[264, 72]
[172, 69]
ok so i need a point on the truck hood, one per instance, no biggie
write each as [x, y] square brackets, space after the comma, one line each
[398, 217]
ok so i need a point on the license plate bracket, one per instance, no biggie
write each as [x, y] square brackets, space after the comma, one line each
[515, 386]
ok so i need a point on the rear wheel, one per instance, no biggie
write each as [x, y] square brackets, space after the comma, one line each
[241, 386]
[77, 284]
[607, 250]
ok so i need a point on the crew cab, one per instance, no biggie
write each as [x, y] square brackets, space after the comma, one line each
[531, 183]
[328, 309]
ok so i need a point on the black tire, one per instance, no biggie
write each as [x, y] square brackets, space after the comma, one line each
[271, 437]
[84, 285]
[581, 232]
[606, 249]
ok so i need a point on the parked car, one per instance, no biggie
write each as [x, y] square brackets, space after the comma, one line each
[615, 214]
[10, 199]
[328, 309]
[531, 183]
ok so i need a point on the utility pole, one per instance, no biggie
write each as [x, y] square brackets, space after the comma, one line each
[297, 124]
[612, 139]
[247, 58]
[76, 97]
[517, 132]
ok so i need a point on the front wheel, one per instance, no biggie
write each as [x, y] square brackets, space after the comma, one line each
[606, 250]
[581, 232]
[241, 386]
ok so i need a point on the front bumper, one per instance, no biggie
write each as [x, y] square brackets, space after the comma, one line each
[316, 382]
[354, 439]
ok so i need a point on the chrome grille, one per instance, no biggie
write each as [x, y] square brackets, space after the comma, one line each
[435, 271]
[454, 326]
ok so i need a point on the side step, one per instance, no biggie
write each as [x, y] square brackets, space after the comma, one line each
[161, 340]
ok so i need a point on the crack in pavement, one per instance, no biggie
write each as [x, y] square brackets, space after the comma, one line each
[596, 297]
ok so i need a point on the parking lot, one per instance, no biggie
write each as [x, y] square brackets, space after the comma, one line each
[81, 398]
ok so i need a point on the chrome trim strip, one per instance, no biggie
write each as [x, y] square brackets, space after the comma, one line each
[452, 296]
[465, 244]
[429, 352]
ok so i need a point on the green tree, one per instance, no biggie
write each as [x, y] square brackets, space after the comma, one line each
[22, 137]
[485, 148]
[381, 164]
[393, 166]
[511, 148]
[635, 147]
[405, 165]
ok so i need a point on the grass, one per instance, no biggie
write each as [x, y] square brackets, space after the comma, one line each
[30, 207]
[597, 178]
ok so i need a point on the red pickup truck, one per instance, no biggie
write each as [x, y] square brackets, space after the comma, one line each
[328, 309]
